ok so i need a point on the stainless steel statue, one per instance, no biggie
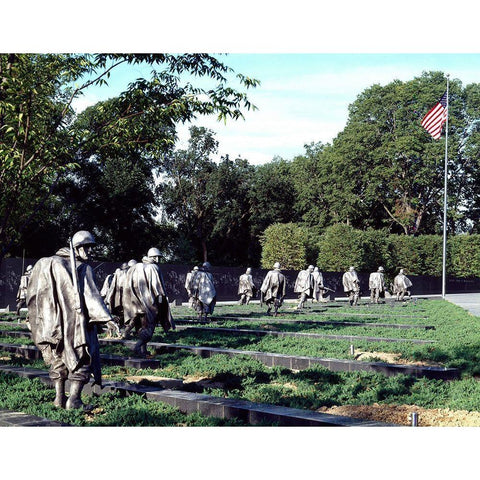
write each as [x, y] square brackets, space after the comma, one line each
[64, 310]
[401, 285]
[351, 286]
[318, 287]
[246, 287]
[204, 292]
[22, 288]
[145, 302]
[114, 295]
[304, 286]
[272, 291]
[376, 284]
[188, 282]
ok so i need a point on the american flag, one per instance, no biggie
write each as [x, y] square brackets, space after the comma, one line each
[436, 117]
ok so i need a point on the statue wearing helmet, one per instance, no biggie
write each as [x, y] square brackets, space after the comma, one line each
[64, 310]
[304, 286]
[272, 291]
[22, 289]
[246, 287]
[188, 285]
[376, 284]
[401, 285]
[351, 286]
[203, 292]
[145, 301]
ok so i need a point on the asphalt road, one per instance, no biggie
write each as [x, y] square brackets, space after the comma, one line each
[468, 301]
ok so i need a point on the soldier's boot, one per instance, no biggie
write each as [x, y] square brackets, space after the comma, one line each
[269, 310]
[127, 330]
[140, 348]
[74, 400]
[60, 397]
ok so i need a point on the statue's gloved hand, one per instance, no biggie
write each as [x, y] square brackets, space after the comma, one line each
[112, 327]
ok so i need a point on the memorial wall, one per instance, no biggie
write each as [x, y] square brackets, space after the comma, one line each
[226, 281]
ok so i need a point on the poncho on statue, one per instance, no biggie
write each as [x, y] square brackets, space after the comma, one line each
[55, 322]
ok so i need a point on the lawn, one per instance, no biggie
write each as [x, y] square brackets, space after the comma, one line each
[455, 333]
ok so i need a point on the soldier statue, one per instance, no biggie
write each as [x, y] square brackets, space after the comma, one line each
[272, 291]
[246, 287]
[22, 288]
[64, 310]
[376, 284]
[318, 287]
[188, 282]
[401, 285]
[351, 286]
[145, 301]
[203, 291]
[114, 294]
[304, 286]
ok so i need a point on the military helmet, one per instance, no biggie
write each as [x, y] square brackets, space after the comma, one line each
[82, 238]
[380, 269]
[249, 270]
[132, 262]
[195, 268]
[154, 252]
[276, 265]
[206, 266]
[29, 267]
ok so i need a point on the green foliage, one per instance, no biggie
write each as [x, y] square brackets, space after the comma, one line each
[339, 247]
[384, 170]
[464, 256]
[457, 344]
[284, 243]
[43, 139]
[111, 409]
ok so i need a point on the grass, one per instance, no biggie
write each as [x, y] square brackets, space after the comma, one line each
[457, 344]
[111, 409]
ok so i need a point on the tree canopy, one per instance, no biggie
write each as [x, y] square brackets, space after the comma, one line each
[116, 169]
[42, 139]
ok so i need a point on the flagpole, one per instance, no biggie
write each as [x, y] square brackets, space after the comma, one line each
[444, 256]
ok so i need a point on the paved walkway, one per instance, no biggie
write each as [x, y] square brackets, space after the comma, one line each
[468, 301]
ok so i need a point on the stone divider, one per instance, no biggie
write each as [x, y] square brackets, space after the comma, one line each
[226, 408]
[294, 362]
[239, 331]
[307, 322]
[299, 362]
[10, 418]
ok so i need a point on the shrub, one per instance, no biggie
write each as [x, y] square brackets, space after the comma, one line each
[285, 243]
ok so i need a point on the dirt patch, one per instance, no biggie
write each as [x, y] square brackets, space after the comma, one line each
[190, 382]
[392, 358]
[399, 414]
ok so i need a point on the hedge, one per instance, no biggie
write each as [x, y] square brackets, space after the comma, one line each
[341, 246]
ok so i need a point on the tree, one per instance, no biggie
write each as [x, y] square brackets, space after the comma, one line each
[231, 241]
[272, 196]
[397, 166]
[185, 192]
[384, 169]
[40, 141]
[285, 243]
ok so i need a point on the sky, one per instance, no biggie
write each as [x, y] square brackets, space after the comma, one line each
[312, 58]
[302, 98]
